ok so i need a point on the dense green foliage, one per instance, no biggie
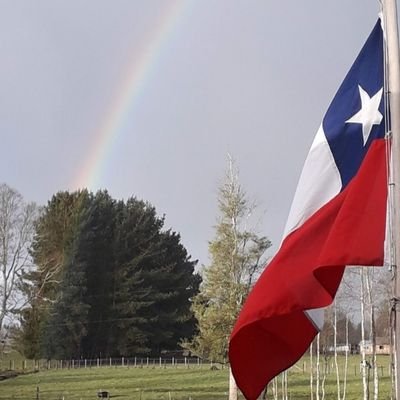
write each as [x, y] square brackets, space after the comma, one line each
[236, 254]
[109, 281]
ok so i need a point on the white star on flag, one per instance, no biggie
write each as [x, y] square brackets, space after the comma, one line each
[369, 114]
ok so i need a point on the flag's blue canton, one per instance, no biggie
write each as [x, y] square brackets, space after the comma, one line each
[346, 139]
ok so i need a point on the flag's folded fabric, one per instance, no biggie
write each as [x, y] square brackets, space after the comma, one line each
[337, 218]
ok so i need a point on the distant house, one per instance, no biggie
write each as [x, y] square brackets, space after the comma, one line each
[382, 346]
[344, 348]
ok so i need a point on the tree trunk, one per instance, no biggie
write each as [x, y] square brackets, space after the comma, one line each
[284, 377]
[275, 388]
[363, 358]
[326, 361]
[233, 389]
[346, 360]
[372, 332]
[335, 349]
[375, 365]
[317, 370]
[5, 280]
[311, 373]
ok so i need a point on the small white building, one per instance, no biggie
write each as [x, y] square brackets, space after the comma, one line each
[344, 348]
[382, 346]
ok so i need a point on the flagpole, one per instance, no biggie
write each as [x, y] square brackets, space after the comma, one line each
[393, 60]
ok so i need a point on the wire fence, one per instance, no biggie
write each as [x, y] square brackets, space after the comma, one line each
[133, 362]
[113, 374]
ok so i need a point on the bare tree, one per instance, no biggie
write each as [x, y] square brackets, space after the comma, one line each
[275, 388]
[324, 374]
[284, 378]
[233, 389]
[335, 348]
[16, 232]
[364, 364]
[311, 373]
[372, 330]
[346, 358]
[318, 378]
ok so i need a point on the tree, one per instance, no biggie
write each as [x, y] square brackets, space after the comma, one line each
[155, 283]
[236, 258]
[110, 281]
[96, 251]
[65, 323]
[51, 250]
[26, 336]
[174, 285]
[16, 232]
[54, 235]
[137, 230]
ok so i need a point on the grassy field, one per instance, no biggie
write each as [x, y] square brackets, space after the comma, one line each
[171, 383]
[123, 383]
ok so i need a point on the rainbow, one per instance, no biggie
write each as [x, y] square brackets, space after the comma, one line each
[126, 96]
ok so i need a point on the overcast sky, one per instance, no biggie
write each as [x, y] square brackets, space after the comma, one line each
[186, 82]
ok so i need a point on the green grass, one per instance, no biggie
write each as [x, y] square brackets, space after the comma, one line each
[172, 383]
[121, 382]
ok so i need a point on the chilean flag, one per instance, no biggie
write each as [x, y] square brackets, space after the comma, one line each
[338, 218]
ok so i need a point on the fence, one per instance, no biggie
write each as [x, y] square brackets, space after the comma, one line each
[127, 362]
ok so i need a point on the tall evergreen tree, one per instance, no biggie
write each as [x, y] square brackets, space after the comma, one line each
[96, 248]
[156, 282]
[27, 339]
[236, 257]
[110, 280]
[137, 230]
[54, 235]
[55, 232]
[66, 322]
[174, 286]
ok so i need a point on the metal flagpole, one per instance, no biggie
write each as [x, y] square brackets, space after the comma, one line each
[393, 60]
